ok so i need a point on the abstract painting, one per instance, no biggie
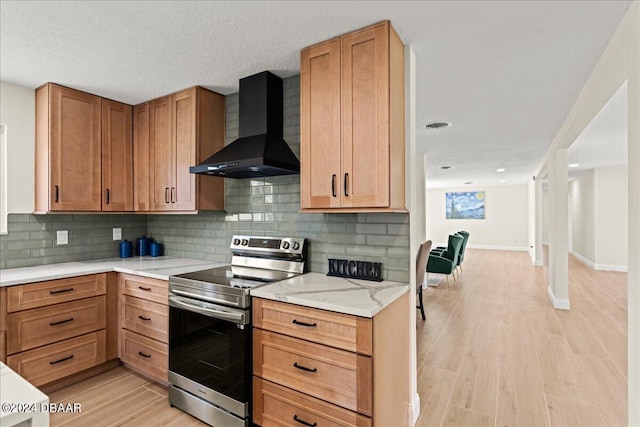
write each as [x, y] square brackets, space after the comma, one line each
[467, 205]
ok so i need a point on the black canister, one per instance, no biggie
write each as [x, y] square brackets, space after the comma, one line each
[142, 245]
[126, 249]
[156, 249]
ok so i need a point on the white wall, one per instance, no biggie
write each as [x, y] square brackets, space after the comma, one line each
[611, 218]
[18, 112]
[545, 217]
[506, 218]
[583, 217]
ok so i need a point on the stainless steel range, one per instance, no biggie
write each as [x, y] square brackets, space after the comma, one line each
[209, 328]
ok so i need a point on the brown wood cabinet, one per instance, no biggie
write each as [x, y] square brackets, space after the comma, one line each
[83, 152]
[352, 123]
[144, 322]
[68, 150]
[171, 134]
[117, 156]
[303, 368]
[57, 328]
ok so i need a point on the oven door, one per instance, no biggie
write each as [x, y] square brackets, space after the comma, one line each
[210, 353]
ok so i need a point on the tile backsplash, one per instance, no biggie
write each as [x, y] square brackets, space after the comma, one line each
[264, 206]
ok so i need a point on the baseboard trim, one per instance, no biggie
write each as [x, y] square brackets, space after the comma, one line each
[414, 410]
[559, 303]
[599, 267]
[500, 248]
[586, 261]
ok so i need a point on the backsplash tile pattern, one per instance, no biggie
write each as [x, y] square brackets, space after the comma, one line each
[265, 206]
[269, 207]
[31, 239]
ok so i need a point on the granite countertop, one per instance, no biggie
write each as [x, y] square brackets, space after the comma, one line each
[358, 297]
[156, 268]
[21, 402]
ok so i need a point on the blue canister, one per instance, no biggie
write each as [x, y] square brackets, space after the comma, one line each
[142, 245]
[156, 249]
[126, 249]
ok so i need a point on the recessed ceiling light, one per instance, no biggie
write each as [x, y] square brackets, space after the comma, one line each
[500, 170]
[573, 165]
[437, 125]
[503, 180]
[445, 167]
[469, 182]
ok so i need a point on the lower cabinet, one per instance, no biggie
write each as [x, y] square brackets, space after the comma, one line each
[144, 323]
[315, 367]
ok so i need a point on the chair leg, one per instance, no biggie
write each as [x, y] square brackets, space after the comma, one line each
[448, 285]
[421, 306]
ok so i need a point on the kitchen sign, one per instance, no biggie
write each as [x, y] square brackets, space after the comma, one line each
[365, 270]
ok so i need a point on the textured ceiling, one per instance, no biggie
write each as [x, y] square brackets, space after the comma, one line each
[505, 73]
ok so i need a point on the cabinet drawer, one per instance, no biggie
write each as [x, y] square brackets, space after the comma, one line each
[150, 357]
[39, 326]
[274, 405]
[339, 330]
[55, 361]
[143, 287]
[41, 294]
[145, 317]
[330, 374]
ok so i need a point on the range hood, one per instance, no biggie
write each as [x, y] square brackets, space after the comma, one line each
[260, 151]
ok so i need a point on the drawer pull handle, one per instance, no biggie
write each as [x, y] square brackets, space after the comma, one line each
[303, 422]
[144, 355]
[304, 368]
[297, 322]
[61, 360]
[143, 288]
[60, 322]
[60, 291]
[144, 318]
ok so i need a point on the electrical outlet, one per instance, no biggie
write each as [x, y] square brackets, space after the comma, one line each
[62, 237]
[117, 234]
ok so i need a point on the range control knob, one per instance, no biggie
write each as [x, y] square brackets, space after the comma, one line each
[285, 245]
[245, 242]
[296, 246]
[236, 242]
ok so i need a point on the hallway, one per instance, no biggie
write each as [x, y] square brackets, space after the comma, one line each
[494, 352]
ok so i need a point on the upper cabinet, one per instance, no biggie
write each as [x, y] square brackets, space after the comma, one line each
[171, 134]
[68, 150]
[352, 123]
[83, 152]
[117, 157]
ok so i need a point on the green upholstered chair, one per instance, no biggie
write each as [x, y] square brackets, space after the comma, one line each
[465, 235]
[446, 262]
[421, 268]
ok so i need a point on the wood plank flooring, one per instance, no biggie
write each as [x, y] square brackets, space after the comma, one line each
[119, 397]
[494, 352]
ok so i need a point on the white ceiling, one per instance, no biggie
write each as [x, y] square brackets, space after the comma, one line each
[505, 73]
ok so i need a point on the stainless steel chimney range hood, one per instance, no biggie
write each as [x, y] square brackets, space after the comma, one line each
[260, 150]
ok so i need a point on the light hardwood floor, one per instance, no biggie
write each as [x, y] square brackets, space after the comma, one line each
[494, 352]
[119, 397]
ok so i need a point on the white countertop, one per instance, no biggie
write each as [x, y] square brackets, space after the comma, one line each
[21, 402]
[358, 297]
[157, 268]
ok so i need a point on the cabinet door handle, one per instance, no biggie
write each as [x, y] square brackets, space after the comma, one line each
[144, 355]
[333, 185]
[61, 360]
[173, 194]
[60, 322]
[166, 194]
[304, 368]
[143, 288]
[108, 196]
[144, 318]
[60, 291]
[346, 180]
[303, 422]
[297, 322]
[57, 193]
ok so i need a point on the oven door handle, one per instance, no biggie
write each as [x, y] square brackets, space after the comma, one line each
[203, 297]
[178, 302]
